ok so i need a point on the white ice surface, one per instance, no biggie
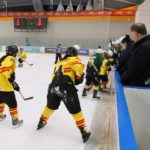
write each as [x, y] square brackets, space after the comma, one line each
[60, 133]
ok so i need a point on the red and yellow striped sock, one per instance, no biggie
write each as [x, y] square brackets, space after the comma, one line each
[46, 113]
[13, 112]
[2, 106]
[104, 85]
[79, 119]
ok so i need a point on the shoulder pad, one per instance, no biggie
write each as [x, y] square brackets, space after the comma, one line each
[73, 58]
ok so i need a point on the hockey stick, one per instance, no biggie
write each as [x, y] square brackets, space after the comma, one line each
[147, 82]
[28, 98]
[28, 63]
[112, 45]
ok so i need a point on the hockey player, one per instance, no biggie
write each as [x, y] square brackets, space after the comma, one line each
[8, 85]
[92, 74]
[106, 66]
[22, 57]
[67, 73]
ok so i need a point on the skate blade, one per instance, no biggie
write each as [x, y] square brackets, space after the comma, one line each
[2, 119]
[38, 129]
[95, 99]
[105, 92]
[87, 138]
[17, 126]
[84, 95]
[41, 127]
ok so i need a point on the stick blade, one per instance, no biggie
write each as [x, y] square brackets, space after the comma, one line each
[29, 98]
[31, 64]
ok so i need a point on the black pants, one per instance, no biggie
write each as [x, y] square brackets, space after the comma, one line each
[92, 79]
[65, 92]
[104, 78]
[58, 56]
[9, 99]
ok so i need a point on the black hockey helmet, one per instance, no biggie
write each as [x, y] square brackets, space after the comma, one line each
[71, 51]
[12, 50]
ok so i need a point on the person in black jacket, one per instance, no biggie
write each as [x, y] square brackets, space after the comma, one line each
[127, 45]
[138, 68]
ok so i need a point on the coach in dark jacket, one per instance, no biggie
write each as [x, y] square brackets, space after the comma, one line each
[138, 69]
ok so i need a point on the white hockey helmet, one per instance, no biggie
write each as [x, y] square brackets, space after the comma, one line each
[102, 51]
[110, 53]
[99, 51]
[77, 47]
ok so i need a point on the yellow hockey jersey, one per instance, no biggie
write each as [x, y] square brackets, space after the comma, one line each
[22, 55]
[71, 67]
[105, 65]
[7, 67]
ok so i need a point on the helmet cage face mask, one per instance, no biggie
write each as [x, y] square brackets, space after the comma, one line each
[71, 51]
[12, 50]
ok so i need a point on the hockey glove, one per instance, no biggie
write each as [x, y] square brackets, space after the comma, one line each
[12, 78]
[79, 80]
[16, 86]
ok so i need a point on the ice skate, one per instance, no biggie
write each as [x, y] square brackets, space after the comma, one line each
[16, 122]
[20, 65]
[107, 91]
[85, 135]
[2, 117]
[84, 92]
[41, 124]
[96, 95]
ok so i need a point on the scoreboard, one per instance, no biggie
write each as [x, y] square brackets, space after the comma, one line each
[30, 24]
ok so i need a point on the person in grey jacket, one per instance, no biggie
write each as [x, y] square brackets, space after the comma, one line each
[58, 53]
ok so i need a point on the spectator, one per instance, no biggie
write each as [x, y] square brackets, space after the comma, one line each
[127, 45]
[58, 53]
[138, 69]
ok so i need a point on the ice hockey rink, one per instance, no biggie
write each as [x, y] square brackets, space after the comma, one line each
[60, 132]
[119, 120]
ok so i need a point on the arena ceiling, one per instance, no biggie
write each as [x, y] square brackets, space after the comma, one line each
[29, 5]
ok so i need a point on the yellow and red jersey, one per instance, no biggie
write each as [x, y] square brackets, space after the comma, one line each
[71, 66]
[105, 65]
[7, 67]
[23, 55]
